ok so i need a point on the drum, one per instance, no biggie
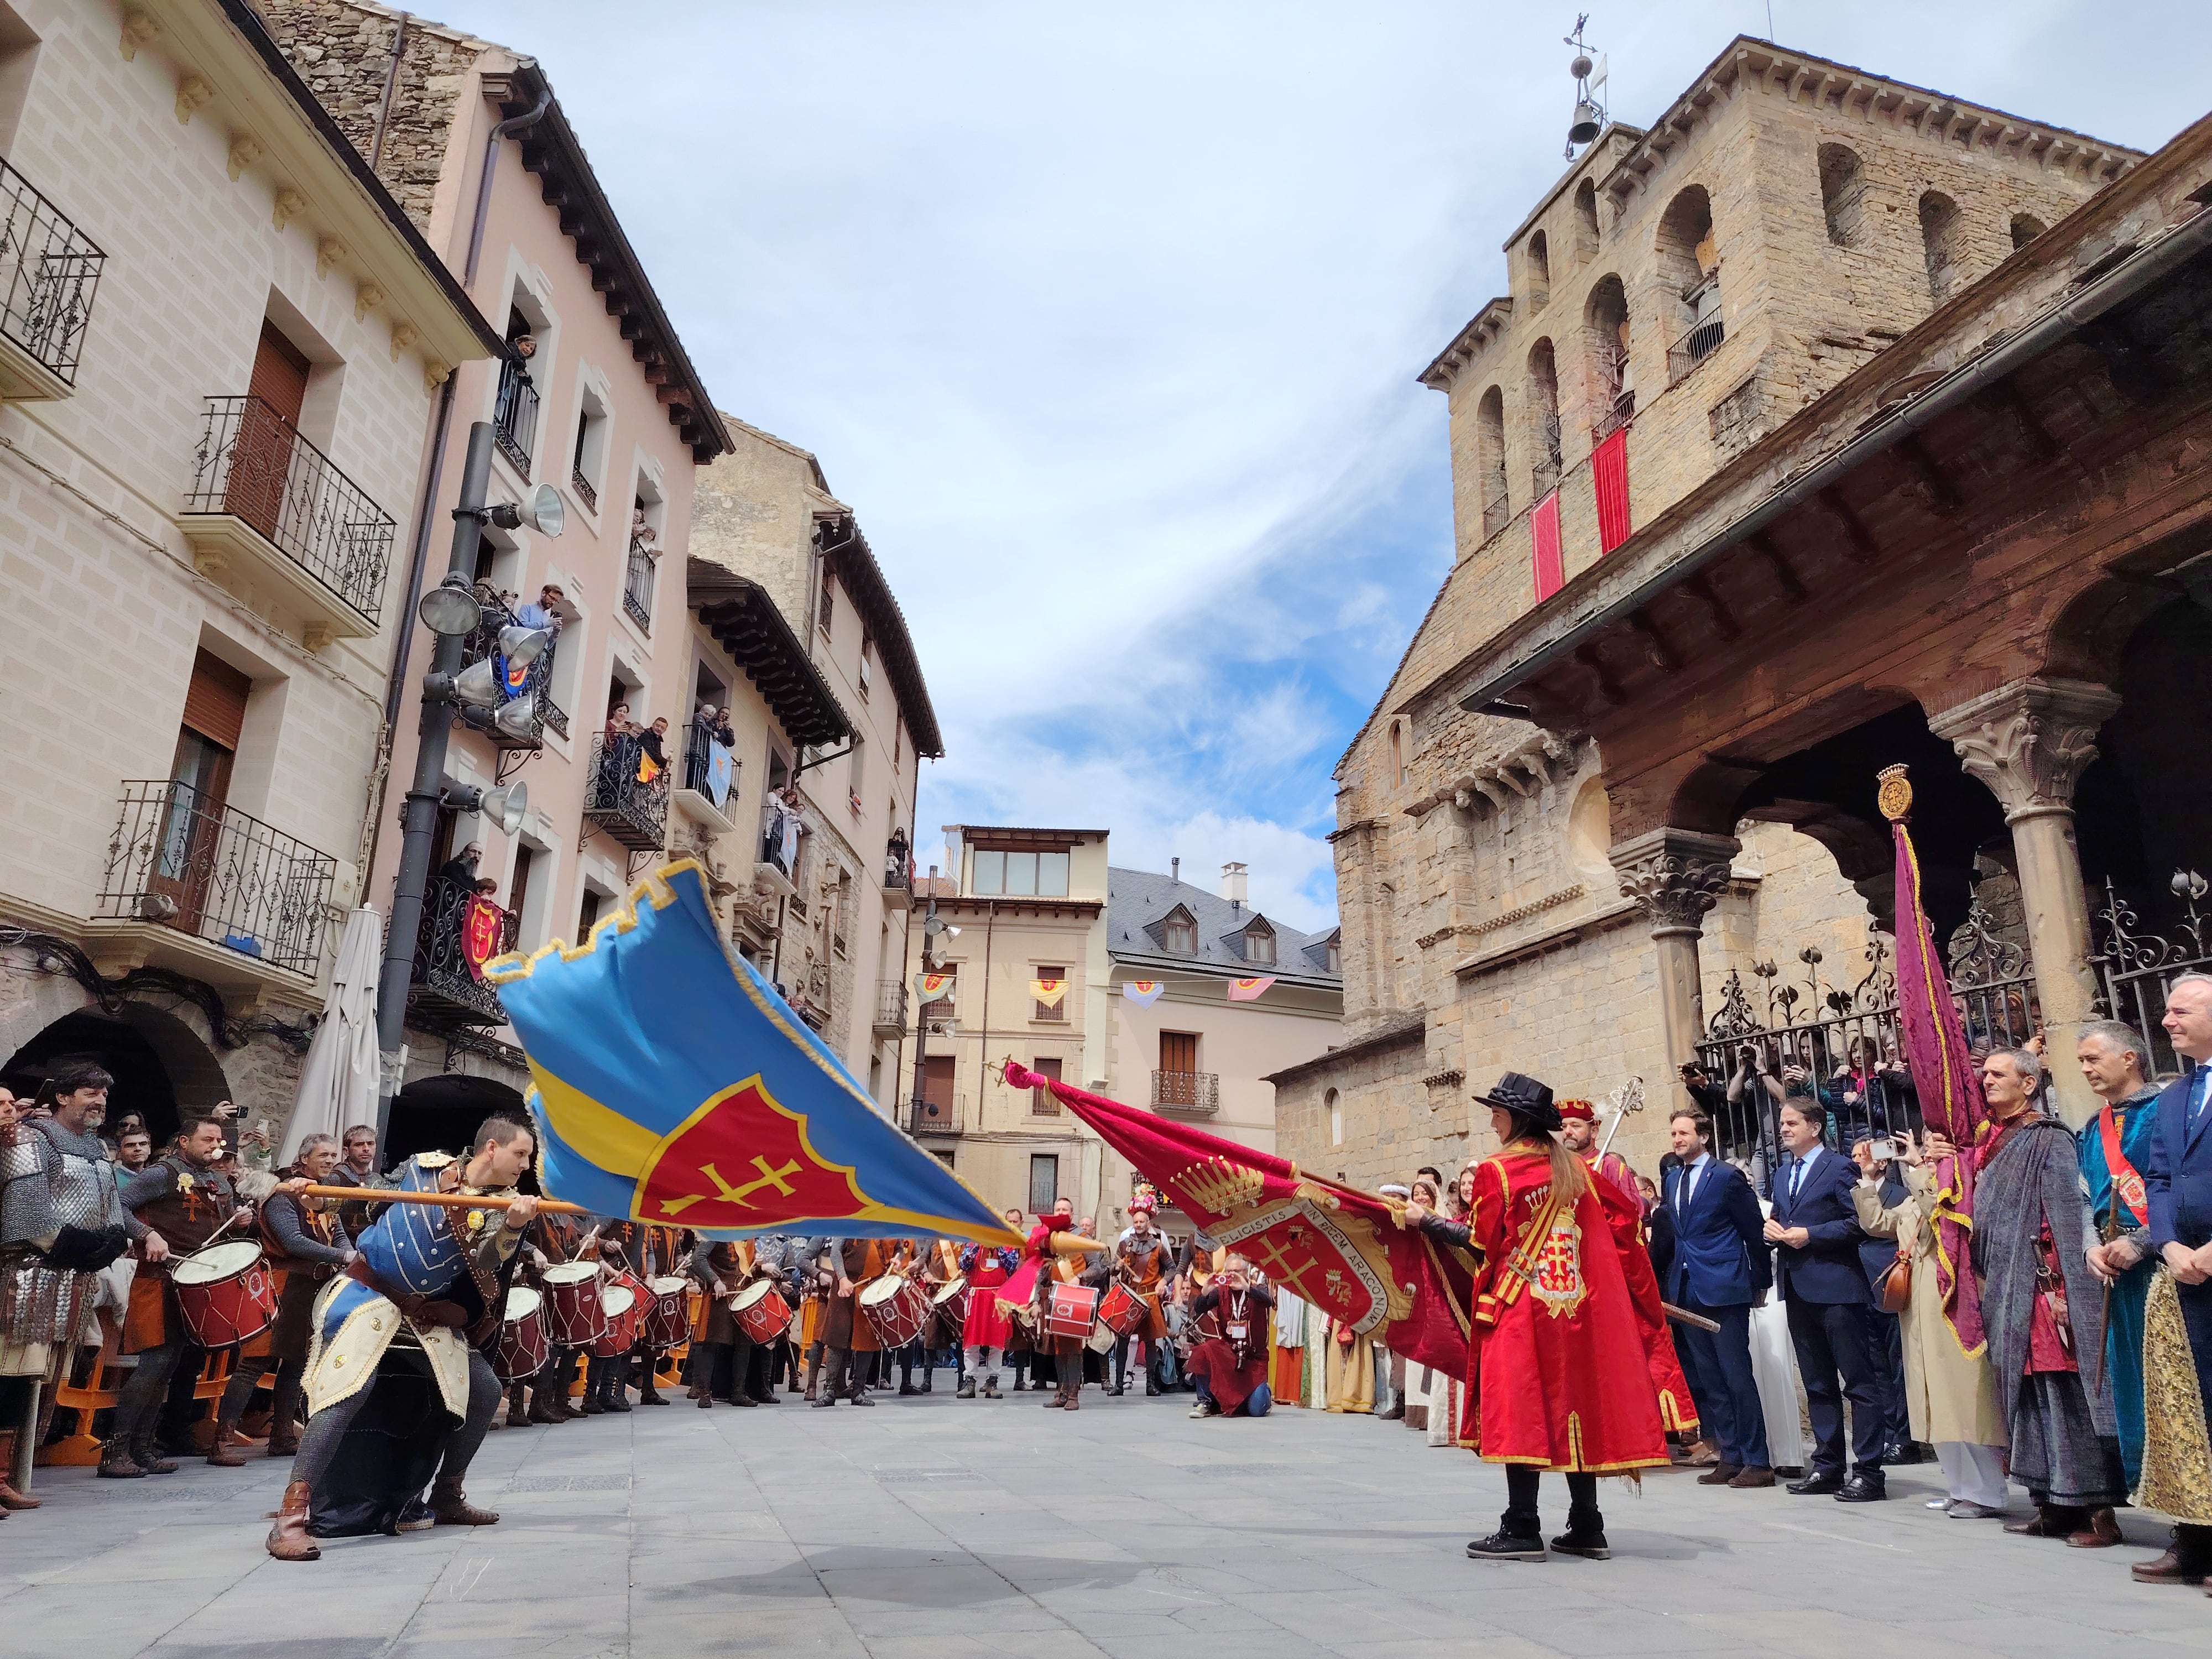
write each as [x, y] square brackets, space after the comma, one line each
[1121, 1310]
[761, 1311]
[224, 1294]
[573, 1315]
[668, 1321]
[1071, 1312]
[523, 1348]
[950, 1303]
[624, 1316]
[897, 1310]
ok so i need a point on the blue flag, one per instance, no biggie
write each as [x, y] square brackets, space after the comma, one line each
[675, 1086]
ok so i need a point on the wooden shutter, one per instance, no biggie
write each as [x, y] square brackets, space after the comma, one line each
[215, 701]
[1178, 1051]
[280, 375]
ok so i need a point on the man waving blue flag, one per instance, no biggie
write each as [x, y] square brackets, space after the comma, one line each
[675, 1086]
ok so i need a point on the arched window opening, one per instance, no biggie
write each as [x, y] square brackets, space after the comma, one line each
[1490, 460]
[1690, 266]
[1397, 753]
[1940, 236]
[1544, 408]
[1335, 1117]
[1586, 220]
[1539, 270]
[2026, 227]
[1612, 387]
[1843, 194]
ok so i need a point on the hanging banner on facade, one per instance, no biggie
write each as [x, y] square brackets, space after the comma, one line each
[719, 771]
[933, 986]
[1250, 990]
[480, 930]
[1144, 992]
[1049, 992]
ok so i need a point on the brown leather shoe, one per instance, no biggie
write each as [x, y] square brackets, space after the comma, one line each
[452, 1509]
[2171, 1568]
[283, 1441]
[9, 1497]
[2048, 1522]
[288, 1538]
[1720, 1474]
[116, 1462]
[2101, 1534]
[223, 1454]
[1747, 1479]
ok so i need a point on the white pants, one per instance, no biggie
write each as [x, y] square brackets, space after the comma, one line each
[982, 1361]
[1975, 1475]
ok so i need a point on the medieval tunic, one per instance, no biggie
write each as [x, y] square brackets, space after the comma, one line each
[1557, 1374]
[1143, 1265]
[2120, 1207]
[307, 1246]
[2043, 1309]
[51, 1178]
[188, 1205]
[1949, 1394]
[1234, 1362]
[988, 1268]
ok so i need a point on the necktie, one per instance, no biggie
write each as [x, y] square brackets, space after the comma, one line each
[2197, 1090]
[1690, 1184]
[1796, 1180]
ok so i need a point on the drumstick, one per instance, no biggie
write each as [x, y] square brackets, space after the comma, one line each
[451, 1201]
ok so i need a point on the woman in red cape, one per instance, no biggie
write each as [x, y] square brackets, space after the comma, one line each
[987, 1267]
[1557, 1374]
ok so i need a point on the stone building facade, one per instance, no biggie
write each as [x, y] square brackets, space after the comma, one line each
[1544, 816]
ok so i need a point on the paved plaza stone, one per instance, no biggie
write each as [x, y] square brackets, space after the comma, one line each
[935, 1526]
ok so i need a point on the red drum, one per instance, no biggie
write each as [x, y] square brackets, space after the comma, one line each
[624, 1318]
[224, 1294]
[761, 1311]
[668, 1321]
[1071, 1312]
[950, 1303]
[523, 1349]
[1121, 1310]
[897, 1310]
[574, 1317]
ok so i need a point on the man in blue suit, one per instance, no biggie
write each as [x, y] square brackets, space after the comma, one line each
[1830, 1302]
[1719, 1270]
[2178, 1182]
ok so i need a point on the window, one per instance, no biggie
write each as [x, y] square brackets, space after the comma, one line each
[1490, 460]
[518, 886]
[1586, 219]
[1179, 1051]
[856, 772]
[1044, 1183]
[1539, 270]
[1335, 957]
[867, 653]
[1843, 194]
[2026, 227]
[587, 466]
[1043, 1101]
[1179, 933]
[1939, 241]
[587, 914]
[996, 873]
[1397, 754]
[841, 918]
[1335, 1118]
[1613, 388]
[1260, 943]
[1544, 409]
[1056, 1010]
[829, 602]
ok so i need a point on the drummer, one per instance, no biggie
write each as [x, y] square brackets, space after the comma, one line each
[846, 1336]
[307, 1244]
[553, 1239]
[1141, 1262]
[1063, 1354]
[906, 1263]
[606, 1379]
[184, 1200]
[941, 1266]
[721, 1271]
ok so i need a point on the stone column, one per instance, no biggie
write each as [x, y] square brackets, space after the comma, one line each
[2028, 742]
[1675, 875]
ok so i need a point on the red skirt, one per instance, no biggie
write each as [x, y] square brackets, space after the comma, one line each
[987, 1326]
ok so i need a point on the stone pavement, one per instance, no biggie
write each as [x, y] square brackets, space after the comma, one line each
[932, 1526]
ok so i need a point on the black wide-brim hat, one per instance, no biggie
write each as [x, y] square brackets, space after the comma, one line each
[1526, 1099]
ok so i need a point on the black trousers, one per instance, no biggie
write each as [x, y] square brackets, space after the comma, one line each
[1834, 1342]
[1521, 1519]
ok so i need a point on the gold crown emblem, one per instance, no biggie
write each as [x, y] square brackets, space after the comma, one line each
[1218, 1185]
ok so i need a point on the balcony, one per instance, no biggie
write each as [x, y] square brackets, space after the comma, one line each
[460, 932]
[890, 1007]
[1187, 1094]
[637, 586]
[1620, 410]
[200, 888]
[515, 420]
[268, 509]
[482, 643]
[936, 1117]
[1693, 348]
[587, 492]
[898, 881]
[1497, 513]
[50, 270]
[709, 793]
[626, 795]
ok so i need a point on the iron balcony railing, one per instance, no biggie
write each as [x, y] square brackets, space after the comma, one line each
[181, 858]
[637, 588]
[445, 986]
[1198, 1093]
[253, 464]
[1043, 1103]
[706, 772]
[481, 641]
[1497, 513]
[891, 1005]
[585, 491]
[936, 1117]
[627, 793]
[1693, 348]
[515, 419]
[51, 271]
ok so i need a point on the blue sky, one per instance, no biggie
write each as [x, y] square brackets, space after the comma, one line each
[1105, 321]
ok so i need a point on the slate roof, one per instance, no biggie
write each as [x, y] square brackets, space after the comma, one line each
[1139, 901]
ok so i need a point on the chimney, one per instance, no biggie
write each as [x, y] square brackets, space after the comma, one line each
[1174, 869]
[1232, 886]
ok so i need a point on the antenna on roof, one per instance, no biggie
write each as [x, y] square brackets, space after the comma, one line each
[1589, 114]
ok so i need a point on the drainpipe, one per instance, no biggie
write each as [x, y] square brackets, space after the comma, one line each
[500, 135]
[390, 88]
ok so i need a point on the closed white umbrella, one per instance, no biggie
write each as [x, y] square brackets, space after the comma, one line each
[337, 1083]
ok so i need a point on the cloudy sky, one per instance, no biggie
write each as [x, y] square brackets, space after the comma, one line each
[1105, 321]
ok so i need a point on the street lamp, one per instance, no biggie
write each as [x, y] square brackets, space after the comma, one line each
[485, 694]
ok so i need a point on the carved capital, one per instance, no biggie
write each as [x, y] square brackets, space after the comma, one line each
[192, 92]
[140, 29]
[1675, 876]
[245, 151]
[289, 201]
[403, 335]
[365, 299]
[2027, 743]
[328, 252]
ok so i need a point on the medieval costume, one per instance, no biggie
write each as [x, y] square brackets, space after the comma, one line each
[1141, 1261]
[2043, 1310]
[985, 1332]
[844, 1328]
[721, 1271]
[306, 1246]
[397, 1386]
[940, 1267]
[2115, 1147]
[1231, 1370]
[553, 1240]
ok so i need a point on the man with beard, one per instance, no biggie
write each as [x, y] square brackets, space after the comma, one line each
[1141, 1260]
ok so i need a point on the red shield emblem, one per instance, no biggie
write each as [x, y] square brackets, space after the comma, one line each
[741, 1160]
[480, 932]
[1291, 1255]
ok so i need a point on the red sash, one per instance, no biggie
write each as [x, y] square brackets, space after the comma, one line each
[2127, 1185]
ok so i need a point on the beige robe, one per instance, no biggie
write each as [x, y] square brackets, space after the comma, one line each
[1949, 1394]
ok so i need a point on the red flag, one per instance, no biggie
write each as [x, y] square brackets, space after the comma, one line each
[1341, 1249]
[1943, 1074]
[482, 923]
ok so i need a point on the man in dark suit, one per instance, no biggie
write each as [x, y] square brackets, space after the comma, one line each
[1830, 1303]
[1720, 1270]
[2178, 1183]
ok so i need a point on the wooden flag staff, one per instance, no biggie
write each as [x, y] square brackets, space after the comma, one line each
[451, 1201]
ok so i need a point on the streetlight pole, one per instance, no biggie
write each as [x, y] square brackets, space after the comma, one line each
[920, 1002]
[419, 815]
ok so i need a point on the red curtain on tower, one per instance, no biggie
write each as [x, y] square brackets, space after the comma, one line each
[1544, 531]
[1609, 475]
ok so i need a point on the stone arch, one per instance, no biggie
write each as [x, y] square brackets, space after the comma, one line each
[2025, 228]
[1490, 458]
[1941, 230]
[1586, 231]
[1539, 258]
[439, 1114]
[165, 1069]
[1684, 243]
[1544, 413]
[1843, 194]
[1606, 329]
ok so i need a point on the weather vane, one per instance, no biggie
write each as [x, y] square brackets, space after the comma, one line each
[1589, 114]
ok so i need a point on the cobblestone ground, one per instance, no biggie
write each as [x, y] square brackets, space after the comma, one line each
[936, 1527]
